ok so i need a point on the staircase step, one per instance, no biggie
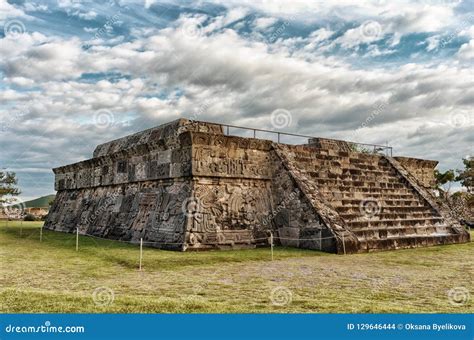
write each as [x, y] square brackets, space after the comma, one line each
[354, 208]
[359, 216]
[388, 232]
[411, 241]
[368, 193]
[354, 178]
[355, 169]
[412, 222]
[348, 183]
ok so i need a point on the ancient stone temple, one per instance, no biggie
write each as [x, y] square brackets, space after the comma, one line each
[189, 186]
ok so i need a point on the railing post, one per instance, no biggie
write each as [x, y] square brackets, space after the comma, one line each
[343, 244]
[254, 133]
[141, 255]
[278, 137]
[271, 243]
[227, 126]
[320, 240]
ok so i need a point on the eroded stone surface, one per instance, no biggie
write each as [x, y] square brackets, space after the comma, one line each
[187, 186]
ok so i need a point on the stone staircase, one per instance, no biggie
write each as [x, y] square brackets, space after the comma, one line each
[379, 204]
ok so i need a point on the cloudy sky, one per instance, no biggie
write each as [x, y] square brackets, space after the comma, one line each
[75, 73]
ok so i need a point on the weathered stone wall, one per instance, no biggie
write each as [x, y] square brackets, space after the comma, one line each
[159, 153]
[296, 222]
[151, 210]
[329, 144]
[230, 156]
[157, 137]
[231, 192]
[229, 213]
[133, 188]
[422, 169]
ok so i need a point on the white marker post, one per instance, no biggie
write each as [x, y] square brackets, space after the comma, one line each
[343, 244]
[271, 243]
[320, 240]
[141, 254]
[77, 239]
[41, 234]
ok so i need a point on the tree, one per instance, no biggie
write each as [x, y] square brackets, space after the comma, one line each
[8, 182]
[466, 176]
[443, 178]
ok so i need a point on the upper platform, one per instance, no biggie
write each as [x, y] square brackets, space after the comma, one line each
[164, 133]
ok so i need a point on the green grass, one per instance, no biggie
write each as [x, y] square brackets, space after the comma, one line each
[50, 276]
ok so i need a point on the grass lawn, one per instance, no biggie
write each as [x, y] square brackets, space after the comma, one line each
[103, 276]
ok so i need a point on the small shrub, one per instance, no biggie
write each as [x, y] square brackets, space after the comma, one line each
[30, 217]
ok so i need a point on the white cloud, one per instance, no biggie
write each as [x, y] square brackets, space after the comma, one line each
[264, 23]
[433, 42]
[35, 7]
[37, 58]
[370, 31]
[89, 15]
[403, 16]
[196, 67]
[320, 35]
[20, 81]
[9, 11]
[466, 51]
[239, 79]
[468, 31]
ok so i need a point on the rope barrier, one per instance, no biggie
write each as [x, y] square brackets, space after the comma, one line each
[180, 243]
[306, 239]
[269, 239]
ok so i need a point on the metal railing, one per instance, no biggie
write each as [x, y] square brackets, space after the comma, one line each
[360, 147]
